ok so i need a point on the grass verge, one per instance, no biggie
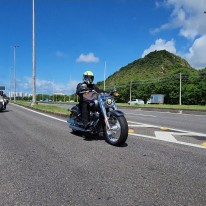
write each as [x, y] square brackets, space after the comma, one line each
[46, 108]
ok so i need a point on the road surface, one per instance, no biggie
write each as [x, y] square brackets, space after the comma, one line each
[43, 163]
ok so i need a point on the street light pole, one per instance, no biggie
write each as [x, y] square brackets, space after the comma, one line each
[180, 96]
[33, 55]
[14, 47]
[10, 84]
[130, 91]
[105, 65]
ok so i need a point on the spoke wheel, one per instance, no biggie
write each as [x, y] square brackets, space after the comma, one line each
[118, 133]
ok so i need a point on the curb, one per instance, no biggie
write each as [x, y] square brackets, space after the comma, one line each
[182, 111]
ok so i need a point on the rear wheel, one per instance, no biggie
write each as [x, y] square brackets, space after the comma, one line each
[118, 133]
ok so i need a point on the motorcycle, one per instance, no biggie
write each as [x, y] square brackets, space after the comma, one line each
[3, 102]
[105, 119]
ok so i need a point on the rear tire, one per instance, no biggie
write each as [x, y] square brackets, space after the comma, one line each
[118, 134]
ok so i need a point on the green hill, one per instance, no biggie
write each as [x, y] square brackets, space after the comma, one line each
[159, 72]
[154, 65]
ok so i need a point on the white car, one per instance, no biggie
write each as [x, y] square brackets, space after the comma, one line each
[136, 101]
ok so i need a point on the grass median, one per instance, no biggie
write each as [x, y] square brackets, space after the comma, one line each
[46, 108]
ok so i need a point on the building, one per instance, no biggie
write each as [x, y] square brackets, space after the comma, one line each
[19, 94]
[157, 99]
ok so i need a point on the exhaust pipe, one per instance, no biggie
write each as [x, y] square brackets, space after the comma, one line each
[76, 128]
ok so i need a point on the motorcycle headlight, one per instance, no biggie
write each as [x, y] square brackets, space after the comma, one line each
[109, 102]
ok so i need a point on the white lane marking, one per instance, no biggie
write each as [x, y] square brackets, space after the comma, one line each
[138, 125]
[144, 115]
[189, 134]
[182, 143]
[46, 115]
[165, 135]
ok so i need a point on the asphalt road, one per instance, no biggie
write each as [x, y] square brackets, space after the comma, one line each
[43, 163]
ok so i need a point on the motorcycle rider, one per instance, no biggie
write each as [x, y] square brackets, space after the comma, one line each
[87, 97]
[2, 99]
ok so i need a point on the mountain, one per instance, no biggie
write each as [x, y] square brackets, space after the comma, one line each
[154, 65]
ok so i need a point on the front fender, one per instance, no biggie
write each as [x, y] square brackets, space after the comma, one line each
[117, 113]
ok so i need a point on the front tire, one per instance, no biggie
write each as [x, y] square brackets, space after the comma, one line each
[118, 133]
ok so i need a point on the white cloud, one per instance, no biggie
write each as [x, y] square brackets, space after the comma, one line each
[60, 54]
[87, 58]
[41, 85]
[161, 44]
[45, 86]
[196, 54]
[187, 15]
[71, 86]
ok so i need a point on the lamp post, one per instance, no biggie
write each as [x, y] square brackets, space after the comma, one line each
[180, 96]
[130, 91]
[33, 55]
[14, 47]
[105, 65]
[10, 84]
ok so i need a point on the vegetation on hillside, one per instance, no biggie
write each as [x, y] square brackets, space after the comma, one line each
[160, 72]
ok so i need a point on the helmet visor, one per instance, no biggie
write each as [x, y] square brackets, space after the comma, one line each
[88, 78]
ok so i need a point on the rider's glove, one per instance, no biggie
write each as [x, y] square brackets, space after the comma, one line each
[83, 87]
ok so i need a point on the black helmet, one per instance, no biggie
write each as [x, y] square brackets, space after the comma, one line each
[88, 77]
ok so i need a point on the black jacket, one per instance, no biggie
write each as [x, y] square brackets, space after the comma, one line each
[87, 96]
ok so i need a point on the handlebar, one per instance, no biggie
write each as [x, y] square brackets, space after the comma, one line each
[87, 91]
[112, 93]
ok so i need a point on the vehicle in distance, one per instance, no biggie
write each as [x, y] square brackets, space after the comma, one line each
[136, 101]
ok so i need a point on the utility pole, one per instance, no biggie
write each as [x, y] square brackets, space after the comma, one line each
[33, 55]
[130, 91]
[10, 84]
[180, 96]
[14, 47]
[104, 74]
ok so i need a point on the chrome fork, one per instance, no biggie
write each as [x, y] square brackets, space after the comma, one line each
[101, 103]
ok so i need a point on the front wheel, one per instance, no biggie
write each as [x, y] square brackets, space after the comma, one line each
[118, 133]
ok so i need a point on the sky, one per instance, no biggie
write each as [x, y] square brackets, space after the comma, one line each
[73, 36]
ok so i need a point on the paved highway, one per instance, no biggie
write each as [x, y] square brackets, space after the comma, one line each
[42, 163]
